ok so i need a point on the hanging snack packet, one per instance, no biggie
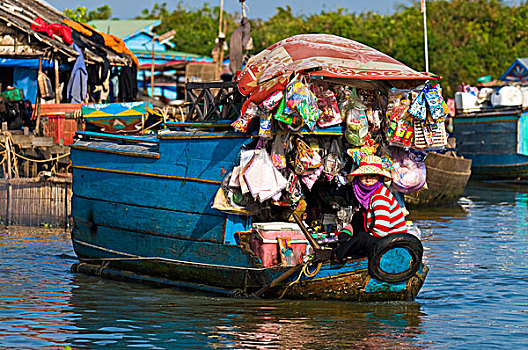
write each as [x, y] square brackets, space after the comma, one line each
[435, 101]
[328, 109]
[272, 100]
[265, 125]
[281, 114]
[398, 104]
[243, 122]
[418, 107]
[278, 157]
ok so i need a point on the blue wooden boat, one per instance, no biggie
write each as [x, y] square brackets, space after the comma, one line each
[142, 212]
[496, 140]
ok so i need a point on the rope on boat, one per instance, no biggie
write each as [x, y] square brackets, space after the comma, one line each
[14, 155]
[304, 271]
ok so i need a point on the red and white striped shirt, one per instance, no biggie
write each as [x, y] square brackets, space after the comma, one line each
[386, 214]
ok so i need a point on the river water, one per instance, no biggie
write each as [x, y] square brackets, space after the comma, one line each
[476, 296]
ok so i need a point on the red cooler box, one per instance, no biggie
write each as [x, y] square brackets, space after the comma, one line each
[265, 242]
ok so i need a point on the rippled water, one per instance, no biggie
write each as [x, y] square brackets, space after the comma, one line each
[474, 297]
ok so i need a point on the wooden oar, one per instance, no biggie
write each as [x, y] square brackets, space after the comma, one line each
[307, 234]
[278, 280]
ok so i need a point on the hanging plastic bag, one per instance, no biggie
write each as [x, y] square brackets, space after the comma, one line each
[329, 114]
[221, 203]
[357, 127]
[408, 175]
[294, 188]
[246, 156]
[263, 179]
[300, 98]
[333, 161]
[306, 159]
[278, 157]
[310, 179]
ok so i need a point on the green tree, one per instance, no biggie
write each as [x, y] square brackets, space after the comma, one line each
[81, 13]
[467, 38]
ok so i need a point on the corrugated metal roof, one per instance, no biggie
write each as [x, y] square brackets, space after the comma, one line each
[124, 28]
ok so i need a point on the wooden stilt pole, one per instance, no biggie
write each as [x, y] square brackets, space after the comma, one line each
[152, 68]
[56, 66]
[8, 182]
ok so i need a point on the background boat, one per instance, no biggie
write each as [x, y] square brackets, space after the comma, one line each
[495, 140]
[447, 177]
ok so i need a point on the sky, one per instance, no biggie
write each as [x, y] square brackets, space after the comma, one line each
[124, 9]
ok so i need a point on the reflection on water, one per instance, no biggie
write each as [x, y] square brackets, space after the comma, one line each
[161, 316]
[473, 297]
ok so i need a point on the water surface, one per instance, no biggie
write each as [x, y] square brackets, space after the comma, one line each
[474, 297]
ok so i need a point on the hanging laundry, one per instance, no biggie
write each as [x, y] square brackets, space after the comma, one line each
[62, 31]
[128, 84]
[77, 89]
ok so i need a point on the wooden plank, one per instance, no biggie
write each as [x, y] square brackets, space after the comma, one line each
[42, 141]
[35, 201]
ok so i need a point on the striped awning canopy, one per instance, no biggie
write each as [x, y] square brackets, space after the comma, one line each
[327, 56]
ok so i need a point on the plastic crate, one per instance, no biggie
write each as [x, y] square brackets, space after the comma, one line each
[13, 95]
[61, 129]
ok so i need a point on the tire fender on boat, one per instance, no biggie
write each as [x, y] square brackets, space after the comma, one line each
[396, 240]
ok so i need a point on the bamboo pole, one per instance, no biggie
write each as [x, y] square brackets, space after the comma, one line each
[8, 182]
[66, 205]
[426, 49]
[152, 68]
[56, 66]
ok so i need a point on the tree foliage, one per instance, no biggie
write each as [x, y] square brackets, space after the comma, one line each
[81, 13]
[466, 38]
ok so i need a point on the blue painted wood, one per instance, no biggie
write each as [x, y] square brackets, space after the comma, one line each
[150, 192]
[124, 138]
[206, 159]
[156, 221]
[490, 140]
[234, 224]
[124, 241]
[143, 151]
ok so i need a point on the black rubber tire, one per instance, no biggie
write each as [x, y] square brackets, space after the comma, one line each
[397, 240]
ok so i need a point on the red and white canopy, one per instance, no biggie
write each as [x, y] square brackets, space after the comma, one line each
[332, 56]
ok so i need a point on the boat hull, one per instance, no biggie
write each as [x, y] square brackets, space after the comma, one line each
[493, 140]
[347, 282]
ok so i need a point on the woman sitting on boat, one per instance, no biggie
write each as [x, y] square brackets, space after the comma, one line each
[379, 213]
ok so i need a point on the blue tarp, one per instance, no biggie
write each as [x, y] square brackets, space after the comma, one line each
[30, 63]
[26, 79]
